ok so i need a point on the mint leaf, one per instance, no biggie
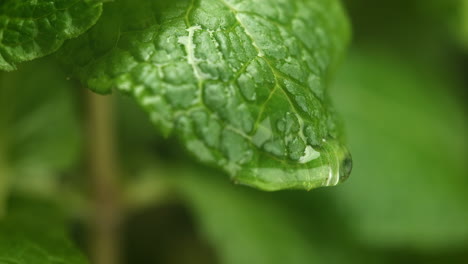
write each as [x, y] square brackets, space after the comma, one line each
[31, 29]
[409, 189]
[39, 128]
[242, 82]
[35, 232]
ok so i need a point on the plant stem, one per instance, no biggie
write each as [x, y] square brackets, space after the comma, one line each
[103, 172]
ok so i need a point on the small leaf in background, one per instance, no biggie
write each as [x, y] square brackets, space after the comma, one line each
[244, 225]
[429, 26]
[35, 233]
[242, 83]
[30, 29]
[40, 135]
[407, 131]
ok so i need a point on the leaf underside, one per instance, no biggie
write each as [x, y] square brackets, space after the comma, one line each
[242, 82]
[30, 29]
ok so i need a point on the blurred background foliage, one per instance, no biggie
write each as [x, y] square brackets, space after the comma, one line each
[39, 129]
[401, 93]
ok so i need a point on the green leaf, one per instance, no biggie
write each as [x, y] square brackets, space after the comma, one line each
[36, 233]
[243, 83]
[30, 29]
[39, 128]
[423, 25]
[244, 225]
[408, 133]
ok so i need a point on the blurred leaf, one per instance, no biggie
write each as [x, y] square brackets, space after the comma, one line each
[408, 135]
[414, 14]
[30, 29]
[428, 26]
[34, 233]
[39, 131]
[245, 226]
[243, 83]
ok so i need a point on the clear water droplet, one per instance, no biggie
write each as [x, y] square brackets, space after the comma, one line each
[275, 147]
[297, 149]
[346, 167]
[338, 160]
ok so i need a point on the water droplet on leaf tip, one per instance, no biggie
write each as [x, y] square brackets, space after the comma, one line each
[346, 167]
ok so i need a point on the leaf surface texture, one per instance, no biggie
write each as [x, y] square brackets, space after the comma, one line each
[30, 29]
[242, 82]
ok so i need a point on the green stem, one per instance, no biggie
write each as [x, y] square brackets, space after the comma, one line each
[103, 172]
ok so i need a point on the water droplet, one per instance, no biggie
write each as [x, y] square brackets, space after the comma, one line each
[235, 147]
[247, 87]
[297, 149]
[346, 167]
[243, 119]
[207, 127]
[275, 147]
[337, 159]
[316, 87]
[263, 133]
[215, 95]
[311, 134]
[181, 96]
[309, 154]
